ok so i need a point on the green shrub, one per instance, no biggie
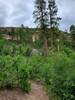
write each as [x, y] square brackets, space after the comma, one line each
[7, 72]
[35, 67]
[60, 77]
[23, 74]
[13, 73]
[28, 52]
[56, 72]
[23, 80]
[12, 49]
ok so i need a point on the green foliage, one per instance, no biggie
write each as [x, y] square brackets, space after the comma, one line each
[7, 72]
[23, 73]
[35, 67]
[57, 72]
[66, 50]
[40, 14]
[13, 73]
[72, 32]
[28, 52]
[11, 48]
[52, 7]
[23, 80]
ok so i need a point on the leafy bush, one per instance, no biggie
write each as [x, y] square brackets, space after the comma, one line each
[28, 52]
[12, 49]
[23, 80]
[59, 76]
[57, 72]
[13, 73]
[35, 67]
[7, 72]
[23, 74]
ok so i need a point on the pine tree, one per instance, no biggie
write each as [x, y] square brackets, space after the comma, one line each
[53, 19]
[41, 17]
[40, 14]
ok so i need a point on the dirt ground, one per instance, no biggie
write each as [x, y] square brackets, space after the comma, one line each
[37, 93]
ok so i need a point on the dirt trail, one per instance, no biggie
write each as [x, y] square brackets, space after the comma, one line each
[37, 93]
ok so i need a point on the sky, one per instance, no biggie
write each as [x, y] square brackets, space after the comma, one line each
[17, 12]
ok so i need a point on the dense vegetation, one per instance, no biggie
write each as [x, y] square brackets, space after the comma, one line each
[56, 71]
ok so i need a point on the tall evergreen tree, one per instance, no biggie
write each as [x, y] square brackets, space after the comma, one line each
[53, 19]
[52, 7]
[40, 14]
[41, 17]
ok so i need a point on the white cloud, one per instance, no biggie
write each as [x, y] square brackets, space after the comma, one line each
[67, 12]
[17, 12]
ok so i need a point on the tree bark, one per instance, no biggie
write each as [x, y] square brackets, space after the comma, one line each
[46, 47]
[51, 39]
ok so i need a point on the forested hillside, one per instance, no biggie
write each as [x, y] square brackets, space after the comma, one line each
[40, 56]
